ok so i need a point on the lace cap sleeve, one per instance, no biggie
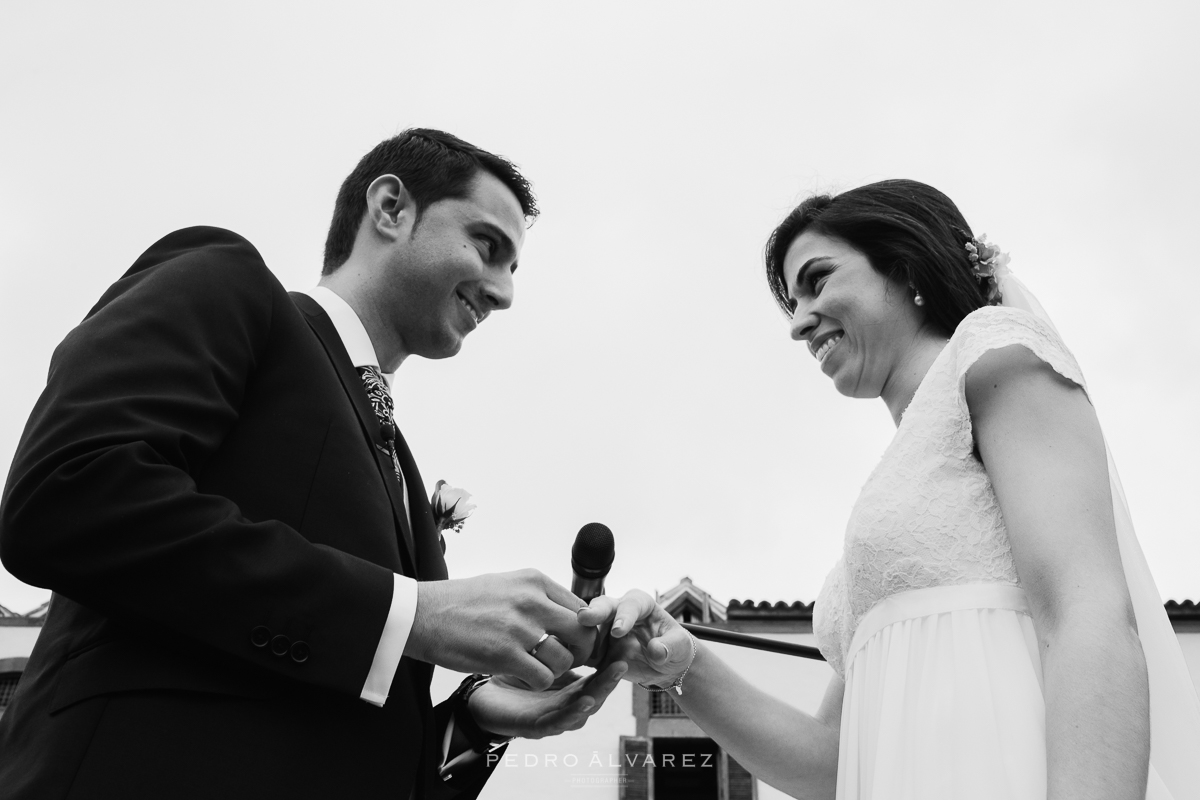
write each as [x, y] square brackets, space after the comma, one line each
[994, 327]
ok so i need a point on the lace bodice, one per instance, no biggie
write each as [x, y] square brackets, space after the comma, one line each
[927, 515]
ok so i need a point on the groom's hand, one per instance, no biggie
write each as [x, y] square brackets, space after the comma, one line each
[490, 623]
[504, 708]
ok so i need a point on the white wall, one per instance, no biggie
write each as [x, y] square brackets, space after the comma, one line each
[17, 640]
[1189, 642]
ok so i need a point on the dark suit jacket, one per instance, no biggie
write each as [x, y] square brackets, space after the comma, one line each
[203, 486]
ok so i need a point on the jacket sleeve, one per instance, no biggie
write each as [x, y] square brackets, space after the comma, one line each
[102, 504]
[467, 775]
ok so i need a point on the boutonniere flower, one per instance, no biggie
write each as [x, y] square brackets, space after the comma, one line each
[451, 507]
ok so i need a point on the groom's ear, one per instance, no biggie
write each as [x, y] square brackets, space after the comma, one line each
[390, 208]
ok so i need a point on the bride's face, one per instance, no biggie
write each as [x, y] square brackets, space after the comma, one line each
[857, 323]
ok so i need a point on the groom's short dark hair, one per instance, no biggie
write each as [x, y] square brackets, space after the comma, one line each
[433, 165]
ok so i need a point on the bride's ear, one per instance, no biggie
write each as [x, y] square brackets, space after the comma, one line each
[390, 207]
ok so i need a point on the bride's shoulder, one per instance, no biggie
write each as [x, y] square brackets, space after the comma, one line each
[997, 317]
[995, 325]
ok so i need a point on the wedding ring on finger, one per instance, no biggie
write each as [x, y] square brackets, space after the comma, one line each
[534, 650]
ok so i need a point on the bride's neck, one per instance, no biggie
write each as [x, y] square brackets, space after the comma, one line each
[910, 370]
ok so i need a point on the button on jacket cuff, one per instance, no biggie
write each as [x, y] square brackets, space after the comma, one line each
[391, 644]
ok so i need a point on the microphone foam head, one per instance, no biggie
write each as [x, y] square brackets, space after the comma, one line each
[593, 551]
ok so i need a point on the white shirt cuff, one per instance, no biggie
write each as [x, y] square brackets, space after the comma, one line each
[391, 642]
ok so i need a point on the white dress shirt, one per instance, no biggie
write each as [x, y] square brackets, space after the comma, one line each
[404, 590]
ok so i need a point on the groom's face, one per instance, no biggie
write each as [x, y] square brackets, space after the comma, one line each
[455, 268]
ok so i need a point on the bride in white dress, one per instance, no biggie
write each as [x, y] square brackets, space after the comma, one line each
[992, 623]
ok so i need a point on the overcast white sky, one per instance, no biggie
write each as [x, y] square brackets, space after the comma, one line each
[643, 377]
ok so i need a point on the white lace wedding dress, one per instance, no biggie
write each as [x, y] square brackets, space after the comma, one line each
[924, 616]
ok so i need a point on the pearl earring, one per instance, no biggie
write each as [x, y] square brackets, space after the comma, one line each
[918, 299]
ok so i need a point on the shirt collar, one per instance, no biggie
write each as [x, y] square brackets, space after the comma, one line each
[349, 328]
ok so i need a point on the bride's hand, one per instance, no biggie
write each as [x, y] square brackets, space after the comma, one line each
[644, 636]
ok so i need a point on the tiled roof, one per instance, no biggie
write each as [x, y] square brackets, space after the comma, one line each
[748, 609]
[1177, 610]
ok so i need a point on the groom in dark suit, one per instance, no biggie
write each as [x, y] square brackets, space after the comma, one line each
[249, 590]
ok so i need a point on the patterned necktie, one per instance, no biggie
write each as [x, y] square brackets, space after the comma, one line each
[381, 401]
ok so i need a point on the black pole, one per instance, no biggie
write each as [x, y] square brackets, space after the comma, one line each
[755, 642]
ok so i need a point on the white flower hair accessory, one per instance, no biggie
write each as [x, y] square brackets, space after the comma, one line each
[989, 263]
[451, 507]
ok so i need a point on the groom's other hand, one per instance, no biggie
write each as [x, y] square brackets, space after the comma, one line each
[491, 623]
[510, 710]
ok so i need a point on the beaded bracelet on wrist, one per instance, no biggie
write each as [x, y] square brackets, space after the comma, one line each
[677, 684]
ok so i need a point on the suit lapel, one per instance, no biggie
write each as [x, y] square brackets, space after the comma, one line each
[431, 566]
[323, 327]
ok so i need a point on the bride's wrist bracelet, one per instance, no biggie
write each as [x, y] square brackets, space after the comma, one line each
[677, 684]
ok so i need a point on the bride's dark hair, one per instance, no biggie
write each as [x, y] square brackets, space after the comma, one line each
[909, 232]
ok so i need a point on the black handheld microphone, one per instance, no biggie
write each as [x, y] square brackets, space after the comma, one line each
[591, 559]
